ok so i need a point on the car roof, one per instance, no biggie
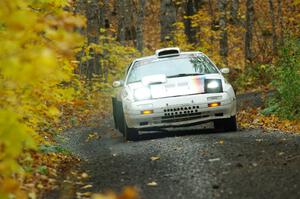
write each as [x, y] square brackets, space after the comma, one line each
[153, 57]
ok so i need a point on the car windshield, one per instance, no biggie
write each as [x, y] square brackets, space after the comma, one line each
[172, 67]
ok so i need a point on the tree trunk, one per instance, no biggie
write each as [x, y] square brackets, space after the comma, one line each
[130, 33]
[249, 34]
[105, 24]
[139, 26]
[280, 18]
[234, 11]
[190, 10]
[121, 20]
[274, 37]
[92, 13]
[167, 20]
[125, 13]
[223, 28]
[212, 22]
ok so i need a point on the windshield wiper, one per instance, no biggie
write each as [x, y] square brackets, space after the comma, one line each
[184, 75]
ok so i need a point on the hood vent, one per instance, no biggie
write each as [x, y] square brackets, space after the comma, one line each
[167, 52]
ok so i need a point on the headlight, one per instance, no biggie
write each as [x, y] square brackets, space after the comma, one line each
[213, 86]
[142, 94]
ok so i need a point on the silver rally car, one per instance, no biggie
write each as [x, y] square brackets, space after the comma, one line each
[173, 89]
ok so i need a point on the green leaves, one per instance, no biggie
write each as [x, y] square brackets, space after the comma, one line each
[287, 82]
[51, 149]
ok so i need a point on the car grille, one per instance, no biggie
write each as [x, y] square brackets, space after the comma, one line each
[180, 111]
[185, 113]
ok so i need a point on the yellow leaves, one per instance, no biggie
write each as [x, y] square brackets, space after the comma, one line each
[153, 158]
[11, 186]
[63, 42]
[14, 136]
[152, 184]
[37, 43]
[53, 111]
[252, 118]
[296, 2]
[84, 175]
[92, 136]
[221, 142]
[83, 195]
[58, 3]
[87, 186]
[128, 193]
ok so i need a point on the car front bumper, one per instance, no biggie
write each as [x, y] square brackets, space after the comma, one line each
[179, 111]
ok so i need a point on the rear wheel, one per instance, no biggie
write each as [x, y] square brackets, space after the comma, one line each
[228, 124]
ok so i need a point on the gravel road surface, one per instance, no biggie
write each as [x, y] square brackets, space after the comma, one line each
[190, 163]
[194, 163]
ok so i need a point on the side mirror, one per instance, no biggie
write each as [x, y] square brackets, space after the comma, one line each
[225, 70]
[117, 84]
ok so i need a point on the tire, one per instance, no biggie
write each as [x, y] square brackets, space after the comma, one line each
[130, 134]
[118, 116]
[228, 124]
[114, 106]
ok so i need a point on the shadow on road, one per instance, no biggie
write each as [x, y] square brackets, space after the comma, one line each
[149, 135]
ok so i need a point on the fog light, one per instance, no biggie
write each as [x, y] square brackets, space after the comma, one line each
[146, 112]
[214, 104]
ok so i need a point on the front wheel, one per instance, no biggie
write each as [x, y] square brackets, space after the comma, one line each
[130, 134]
[228, 124]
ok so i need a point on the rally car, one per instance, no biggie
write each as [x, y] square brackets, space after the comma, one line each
[173, 89]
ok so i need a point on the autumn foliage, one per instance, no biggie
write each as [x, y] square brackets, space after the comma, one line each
[58, 59]
[37, 47]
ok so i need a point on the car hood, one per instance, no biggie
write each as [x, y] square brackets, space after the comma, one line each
[176, 86]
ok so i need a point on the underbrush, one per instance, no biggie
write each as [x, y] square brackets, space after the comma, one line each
[253, 78]
[92, 104]
[286, 82]
[253, 118]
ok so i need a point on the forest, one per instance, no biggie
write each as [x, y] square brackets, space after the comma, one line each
[58, 59]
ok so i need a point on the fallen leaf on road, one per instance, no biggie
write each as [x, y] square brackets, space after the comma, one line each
[253, 118]
[84, 175]
[152, 184]
[87, 186]
[221, 142]
[86, 194]
[32, 195]
[92, 136]
[214, 159]
[153, 158]
[254, 164]
[127, 193]
[259, 140]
